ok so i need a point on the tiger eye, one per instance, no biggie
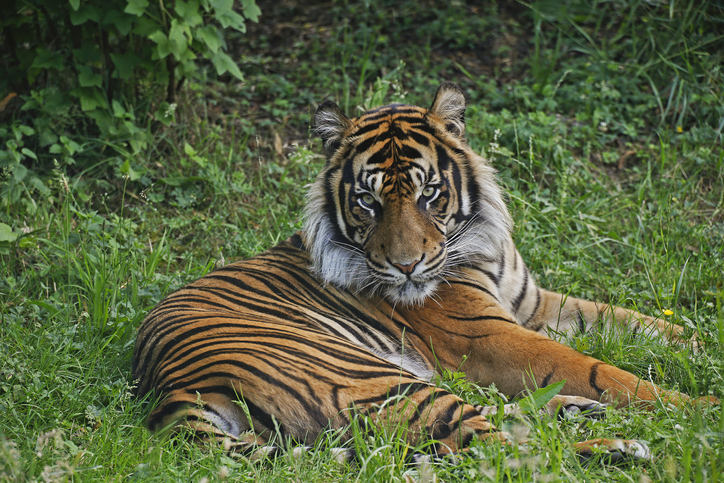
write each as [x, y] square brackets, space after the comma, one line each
[368, 199]
[428, 191]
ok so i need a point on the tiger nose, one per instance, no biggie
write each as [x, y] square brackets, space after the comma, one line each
[407, 269]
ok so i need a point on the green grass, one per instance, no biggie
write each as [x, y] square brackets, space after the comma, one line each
[605, 123]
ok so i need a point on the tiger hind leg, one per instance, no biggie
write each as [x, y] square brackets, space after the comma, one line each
[451, 433]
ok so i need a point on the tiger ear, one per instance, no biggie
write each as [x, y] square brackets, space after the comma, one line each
[330, 124]
[449, 105]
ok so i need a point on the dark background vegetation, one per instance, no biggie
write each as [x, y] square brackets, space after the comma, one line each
[143, 143]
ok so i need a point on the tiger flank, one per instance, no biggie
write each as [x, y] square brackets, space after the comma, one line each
[405, 267]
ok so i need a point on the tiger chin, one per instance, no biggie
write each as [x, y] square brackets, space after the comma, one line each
[405, 267]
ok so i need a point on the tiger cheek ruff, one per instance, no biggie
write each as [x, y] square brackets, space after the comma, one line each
[405, 266]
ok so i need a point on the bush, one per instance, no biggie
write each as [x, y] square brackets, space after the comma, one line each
[94, 74]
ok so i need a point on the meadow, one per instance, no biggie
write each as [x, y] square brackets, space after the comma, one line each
[604, 120]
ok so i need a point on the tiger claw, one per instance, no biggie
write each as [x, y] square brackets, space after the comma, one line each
[560, 405]
[613, 451]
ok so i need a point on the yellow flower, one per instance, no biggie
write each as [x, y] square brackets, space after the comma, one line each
[668, 312]
[679, 129]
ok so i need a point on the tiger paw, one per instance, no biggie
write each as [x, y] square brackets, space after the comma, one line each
[561, 405]
[613, 451]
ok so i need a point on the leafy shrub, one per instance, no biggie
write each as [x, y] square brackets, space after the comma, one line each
[95, 74]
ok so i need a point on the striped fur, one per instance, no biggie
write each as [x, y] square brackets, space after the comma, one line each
[405, 266]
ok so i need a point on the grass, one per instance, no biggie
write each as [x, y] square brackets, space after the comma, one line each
[605, 123]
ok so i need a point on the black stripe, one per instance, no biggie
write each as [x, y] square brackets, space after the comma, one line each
[501, 268]
[448, 415]
[430, 399]
[535, 309]
[546, 380]
[592, 378]
[362, 147]
[493, 277]
[419, 137]
[481, 318]
[581, 320]
[411, 153]
[519, 298]
[467, 439]
[473, 285]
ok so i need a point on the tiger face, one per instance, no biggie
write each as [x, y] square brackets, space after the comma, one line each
[402, 200]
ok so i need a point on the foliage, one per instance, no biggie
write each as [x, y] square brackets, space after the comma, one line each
[615, 198]
[670, 55]
[91, 75]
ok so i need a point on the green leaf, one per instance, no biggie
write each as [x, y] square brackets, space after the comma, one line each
[26, 130]
[71, 146]
[47, 137]
[165, 114]
[39, 185]
[163, 48]
[177, 40]
[19, 173]
[189, 11]
[125, 65]
[136, 7]
[222, 5]
[189, 150]
[126, 169]
[224, 63]
[226, 16]
[90, 98]
[75, 4]
[118, 109]
[144, 26]
[6, 233]
[85, 13]
[120, 20]
[103, 119]
[29, 153]
[541, 397]
[231, 20]
[251, 10]
[47, 59]
[88, 78]
[88, 53]
[210, 36]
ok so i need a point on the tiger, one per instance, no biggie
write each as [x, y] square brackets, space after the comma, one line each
[405, 267]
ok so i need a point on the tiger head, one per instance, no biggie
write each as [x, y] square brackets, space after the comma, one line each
[402, 200]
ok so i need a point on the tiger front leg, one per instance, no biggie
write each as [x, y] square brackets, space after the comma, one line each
[468, 330]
